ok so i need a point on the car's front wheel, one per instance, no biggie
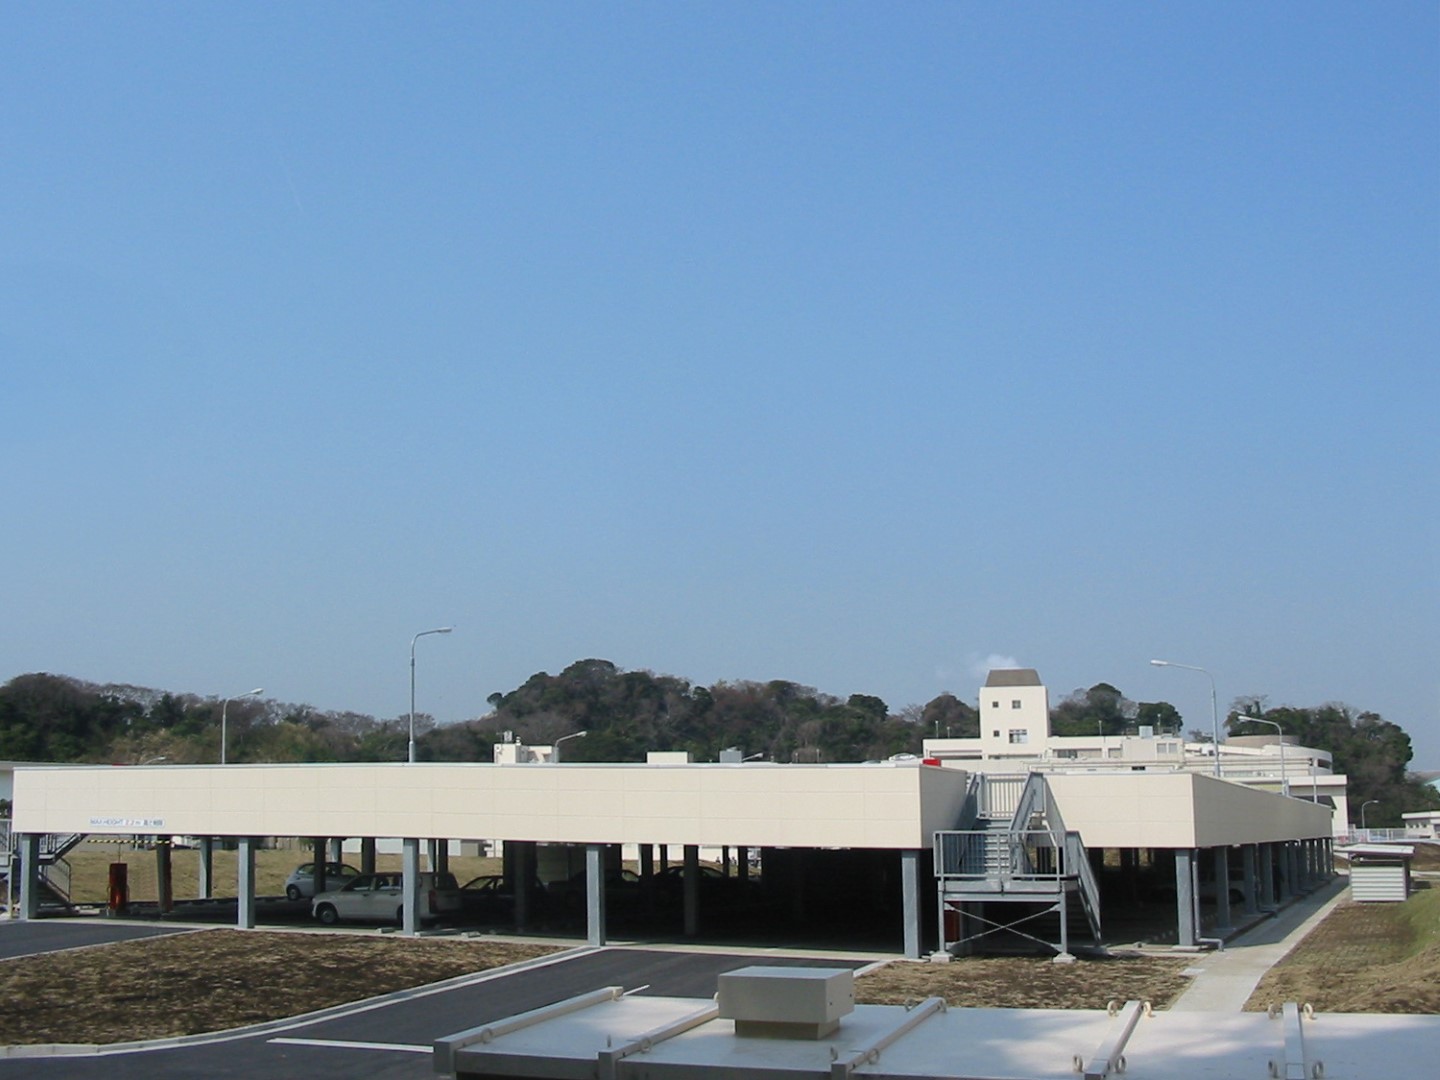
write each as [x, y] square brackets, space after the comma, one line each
[292, 892]
[327, 914]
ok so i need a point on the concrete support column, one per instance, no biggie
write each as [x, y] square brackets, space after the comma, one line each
[320, 847]
[336, 849]
[29, 847]
[742, 859]
[245, 883]
[795, 866]
[1287, 871]
[410, 888]
[164, 878]
[1249, 859]
[725, 860]
[1223, 921]
[595, 894]
[205, 869]
[520, 865]
[910, 901]
[647, 877]
[1186, 917]
[692, 890]
[367, 855]
[1267, 876]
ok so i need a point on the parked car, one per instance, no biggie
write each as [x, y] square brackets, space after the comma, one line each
[490, 897]
[379, 898]
[301, 882]
[623, 896]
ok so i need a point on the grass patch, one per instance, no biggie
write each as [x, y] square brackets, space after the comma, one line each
[1022, 982]
[212, 980]
[90, 870]
[1365, 958]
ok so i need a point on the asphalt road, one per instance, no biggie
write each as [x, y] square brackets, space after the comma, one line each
[27, 937]
[398, 1033]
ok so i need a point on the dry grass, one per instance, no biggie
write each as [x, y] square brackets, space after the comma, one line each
[211, 980]
[90, 870]
[1011, 982]
[1372, 958]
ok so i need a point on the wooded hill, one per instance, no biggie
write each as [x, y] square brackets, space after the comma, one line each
[624, 714]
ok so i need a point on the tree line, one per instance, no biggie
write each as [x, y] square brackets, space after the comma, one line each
[624, 714]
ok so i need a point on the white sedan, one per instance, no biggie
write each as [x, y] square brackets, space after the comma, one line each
[379, 898]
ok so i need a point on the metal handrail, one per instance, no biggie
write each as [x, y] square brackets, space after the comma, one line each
[968, 854]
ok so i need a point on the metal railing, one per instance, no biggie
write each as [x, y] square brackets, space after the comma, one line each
[1002, 855]
[1000, 795]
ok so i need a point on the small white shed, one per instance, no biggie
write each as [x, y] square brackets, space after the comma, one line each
[1380, 872]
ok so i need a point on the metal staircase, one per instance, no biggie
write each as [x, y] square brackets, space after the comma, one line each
[54, 869]
[1010, 869]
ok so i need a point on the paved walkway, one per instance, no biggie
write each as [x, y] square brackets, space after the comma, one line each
[1223, 981]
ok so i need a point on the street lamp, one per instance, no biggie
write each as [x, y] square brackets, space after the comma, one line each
[1368, 802]
[555, 750]
[224, 708]
[417, 637]
[1214, 710]
[1280, 737]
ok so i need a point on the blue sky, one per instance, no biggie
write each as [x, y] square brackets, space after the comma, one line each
[851, 344]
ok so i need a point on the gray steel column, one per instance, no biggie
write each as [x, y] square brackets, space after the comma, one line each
[319, 846]
[1287, 871]
[336, 848]
[910, 901]
[742, 860]
[1222, 889]
[1267, 875]
[692, 890]
[1248, 858]
[245, 883]
[595, 894]
[205, 871]
[367, 855]
[410, 888]
[1187, 924]
[520, 863]
[164, 879]
[29, 875]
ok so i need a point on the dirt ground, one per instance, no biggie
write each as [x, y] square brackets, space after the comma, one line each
[1011, 982]
[1380, 958]
[210, 980]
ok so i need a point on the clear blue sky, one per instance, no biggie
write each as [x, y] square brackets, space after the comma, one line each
[850, 344]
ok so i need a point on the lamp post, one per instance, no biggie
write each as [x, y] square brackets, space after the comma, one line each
[417, 637]
[1363, 827]
[1214, 710]
[1280, 737]
[224, 708]
[555, 750]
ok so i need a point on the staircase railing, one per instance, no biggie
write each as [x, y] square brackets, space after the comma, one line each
[1079, 859]
[1029, 851]
[55, 846]
[1000, 795]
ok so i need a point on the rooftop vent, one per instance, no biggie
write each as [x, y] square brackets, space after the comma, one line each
[786, 1002]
